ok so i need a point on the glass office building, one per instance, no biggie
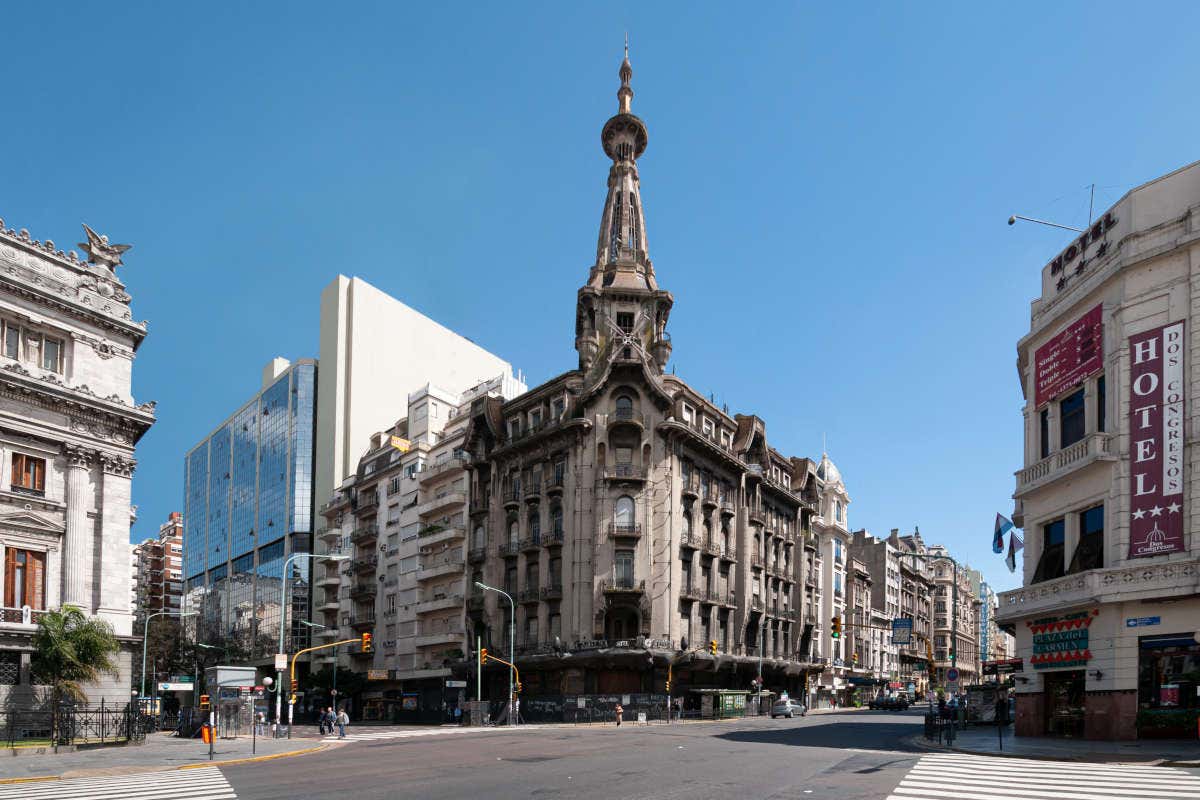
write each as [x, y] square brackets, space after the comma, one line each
[248, 505]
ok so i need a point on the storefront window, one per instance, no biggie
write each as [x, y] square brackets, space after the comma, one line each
[1168, 672]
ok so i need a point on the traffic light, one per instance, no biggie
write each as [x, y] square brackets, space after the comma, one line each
[518, 687]
[855, 657]
[928, 650]
[292, 700]
[668, 684]
[295, 684]
[367, 647]
[712, 646]
[836, 630]
[483, 655]
[204, 703]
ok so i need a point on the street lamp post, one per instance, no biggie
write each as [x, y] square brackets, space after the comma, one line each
[283, 623]
[332, 691]
[146, 636]
[512, 641]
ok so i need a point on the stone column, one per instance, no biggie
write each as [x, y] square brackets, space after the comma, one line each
[114, 569]
[77, 550]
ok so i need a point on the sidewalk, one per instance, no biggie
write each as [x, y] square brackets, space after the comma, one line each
[984, 741]
[161, 751]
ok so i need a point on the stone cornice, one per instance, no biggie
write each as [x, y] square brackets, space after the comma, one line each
[88, 413]
[114, 464]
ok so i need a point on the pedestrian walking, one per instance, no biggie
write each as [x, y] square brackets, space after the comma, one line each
[343, 719]
[619, 711]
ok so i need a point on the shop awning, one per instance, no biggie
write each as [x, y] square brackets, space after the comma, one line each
[1169, 640]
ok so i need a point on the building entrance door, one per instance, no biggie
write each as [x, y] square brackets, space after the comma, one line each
[1064, 703]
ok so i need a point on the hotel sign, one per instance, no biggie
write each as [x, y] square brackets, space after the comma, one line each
[1070, 357]
[1156, 424]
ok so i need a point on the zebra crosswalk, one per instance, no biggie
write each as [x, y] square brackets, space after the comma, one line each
[953, 776]
[413, 733]
[204, 783]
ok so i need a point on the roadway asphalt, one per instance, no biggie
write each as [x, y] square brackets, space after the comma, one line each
[835, 756]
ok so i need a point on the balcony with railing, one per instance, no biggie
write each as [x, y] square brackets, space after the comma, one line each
[557, 482]
[756, 602]
[530, 595]
[364, 534]
[624, 472]
[553, 539]
[552, 591]
[690, 486]
[364, 564]
[512, 496]
[361, 591]
[510, 549]
[441, 502]
[531, 544]
[624, 530]
[692, 591]
[20, 617]
[690, 541]
[361, 623]
[624, 586]
[328, 576]
[477, 555]
[437, 533]
[439, 564]
[476, 601]
[533, 489]
[1092, 448]
[432, 471]
[713, 547]
[438, 601]
[368, 503]
[432, 633]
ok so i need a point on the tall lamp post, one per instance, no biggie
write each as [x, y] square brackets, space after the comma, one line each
[146, 636]
[283, 606]
[224, 655]
[512, 641]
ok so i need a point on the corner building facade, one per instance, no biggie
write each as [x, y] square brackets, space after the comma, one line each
[1106, 620]
[632, 521]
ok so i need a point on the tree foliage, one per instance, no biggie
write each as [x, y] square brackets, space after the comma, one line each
[72, 650]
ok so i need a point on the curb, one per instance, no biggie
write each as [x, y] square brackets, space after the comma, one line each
[144, 770]
[920, 743]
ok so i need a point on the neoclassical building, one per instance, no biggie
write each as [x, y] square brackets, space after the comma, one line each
[630, 519]
[68, 427]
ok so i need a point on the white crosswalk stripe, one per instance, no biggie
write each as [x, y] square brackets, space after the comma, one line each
[410, 733]
[954, 776]
[204, 783]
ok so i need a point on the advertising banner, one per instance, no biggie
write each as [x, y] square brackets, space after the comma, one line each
[1061, 641]
[1156, 427]
[1063, 362]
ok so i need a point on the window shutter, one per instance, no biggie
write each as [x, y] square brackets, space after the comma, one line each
[10, 571]
[36, 582]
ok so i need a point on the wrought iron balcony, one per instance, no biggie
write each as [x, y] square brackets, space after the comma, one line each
[477, 555]
[689, 540]
[552, 592]
[553, 539]
[530, 544]
[625, 530]
[556, 483]
[365, 533]
[529, 595]
[624, 586]
[625, 472]
[691, 591]
[510, 549]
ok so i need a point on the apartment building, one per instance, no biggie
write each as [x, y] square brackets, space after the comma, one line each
[402, 517]
[158, 571]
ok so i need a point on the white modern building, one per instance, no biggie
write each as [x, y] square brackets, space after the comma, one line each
[373, 351]
[68, 427]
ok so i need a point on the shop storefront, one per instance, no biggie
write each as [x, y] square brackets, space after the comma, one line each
[1168, 685]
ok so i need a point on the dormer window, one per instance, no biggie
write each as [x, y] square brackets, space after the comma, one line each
[514, 427]
[689, 414]
[625, 321]
[707, 427]
[535, 419]
[558, 407]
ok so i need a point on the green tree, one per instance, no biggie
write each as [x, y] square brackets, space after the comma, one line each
[71, 650]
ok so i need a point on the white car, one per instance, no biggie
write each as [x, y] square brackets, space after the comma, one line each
[788, 708]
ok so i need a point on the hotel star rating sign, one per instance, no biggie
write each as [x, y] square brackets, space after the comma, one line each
[1156, 422]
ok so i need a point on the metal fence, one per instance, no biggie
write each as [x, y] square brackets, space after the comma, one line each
[73, 725]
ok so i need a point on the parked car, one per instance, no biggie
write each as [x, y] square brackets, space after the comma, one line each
[890, 703]
[788, 708]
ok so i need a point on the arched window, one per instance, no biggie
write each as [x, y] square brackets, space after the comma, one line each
[624, 407]
[626, 511]
[556, 519]
[480, 538]
[514, 531]
[535, 524]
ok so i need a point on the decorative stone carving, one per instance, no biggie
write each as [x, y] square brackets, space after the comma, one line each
[114, 464]
[78, 456]
[100, 251]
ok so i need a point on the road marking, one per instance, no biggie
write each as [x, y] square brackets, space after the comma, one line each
[375, 736]
[967, 777]
[197, 784]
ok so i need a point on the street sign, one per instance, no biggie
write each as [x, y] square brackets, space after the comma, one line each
[456, 684]
[902, 630]
[1138, 622]
[952, 675]
[280, 662]
[172, 686]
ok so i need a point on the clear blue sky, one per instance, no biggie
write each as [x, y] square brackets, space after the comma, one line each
[826, 195]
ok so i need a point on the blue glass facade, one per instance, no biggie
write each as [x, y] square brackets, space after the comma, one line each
[247, 506]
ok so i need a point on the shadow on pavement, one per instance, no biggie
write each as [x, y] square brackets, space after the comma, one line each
[840, 734]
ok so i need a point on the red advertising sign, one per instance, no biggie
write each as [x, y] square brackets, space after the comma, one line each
[1156, 392]
[1068, 358]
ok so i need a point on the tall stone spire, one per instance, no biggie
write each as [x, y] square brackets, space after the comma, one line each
[621, 313]
[622, 258]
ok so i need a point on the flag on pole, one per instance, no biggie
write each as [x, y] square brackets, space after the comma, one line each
[400, 443]
[1003, 525]
[1015, 543]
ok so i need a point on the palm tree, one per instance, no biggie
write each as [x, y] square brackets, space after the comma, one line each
[70, 650]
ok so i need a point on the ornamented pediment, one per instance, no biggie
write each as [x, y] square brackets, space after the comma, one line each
[29, 522]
